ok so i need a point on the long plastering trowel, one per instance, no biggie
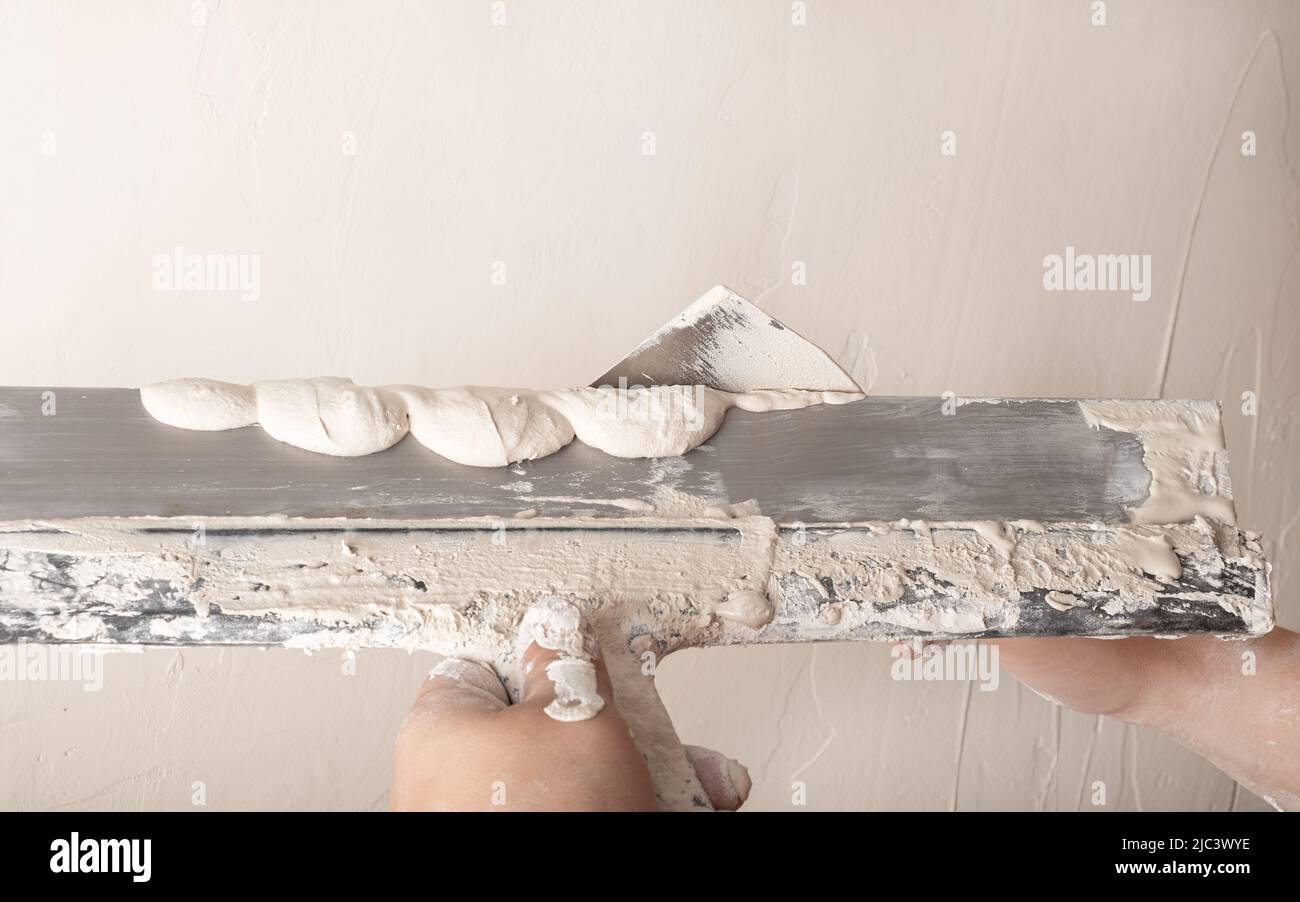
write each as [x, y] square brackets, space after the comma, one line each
[883, 518]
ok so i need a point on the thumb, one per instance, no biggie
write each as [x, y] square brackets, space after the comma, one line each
[456, 687]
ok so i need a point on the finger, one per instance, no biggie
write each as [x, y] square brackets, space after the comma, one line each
[458, 684]
[559, 660]
[725, 780]
[566, 688]
[439, 733]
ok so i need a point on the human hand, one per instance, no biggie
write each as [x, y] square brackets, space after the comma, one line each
[1129, 679]
[1237, 703]
[465, 747]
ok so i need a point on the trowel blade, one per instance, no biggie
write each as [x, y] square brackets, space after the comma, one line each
[725, 342]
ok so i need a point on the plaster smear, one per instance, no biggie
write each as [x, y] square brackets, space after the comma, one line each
[1182, 446]
[475, 426]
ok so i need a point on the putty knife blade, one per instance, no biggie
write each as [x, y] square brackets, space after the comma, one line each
[725, 342]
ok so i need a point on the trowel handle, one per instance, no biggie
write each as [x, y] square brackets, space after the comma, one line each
[632, 675]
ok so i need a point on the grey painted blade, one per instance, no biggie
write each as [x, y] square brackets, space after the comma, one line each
[881, 458]
[725, 342]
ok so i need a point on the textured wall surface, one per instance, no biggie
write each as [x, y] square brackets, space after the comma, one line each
[392, 164]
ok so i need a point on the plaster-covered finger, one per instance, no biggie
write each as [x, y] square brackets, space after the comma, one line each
[725, 780]
[559, 662]
[458, 683]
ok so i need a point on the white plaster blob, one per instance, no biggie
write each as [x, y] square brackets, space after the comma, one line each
[475, 426]
[1062, 601]
[576, 696]
[330, 416]
[663, 421]
[201, 404]
[484, 427]
[747, 607]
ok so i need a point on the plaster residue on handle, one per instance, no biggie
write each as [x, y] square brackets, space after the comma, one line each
[451, 587]
[1143, 550]
[448, 586]
[1183, 448]
[475, 426]
[967, 578]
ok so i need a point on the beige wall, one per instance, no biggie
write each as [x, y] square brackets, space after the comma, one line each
[129, 130]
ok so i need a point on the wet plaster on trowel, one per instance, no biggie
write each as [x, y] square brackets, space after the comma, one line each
[475, 426]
